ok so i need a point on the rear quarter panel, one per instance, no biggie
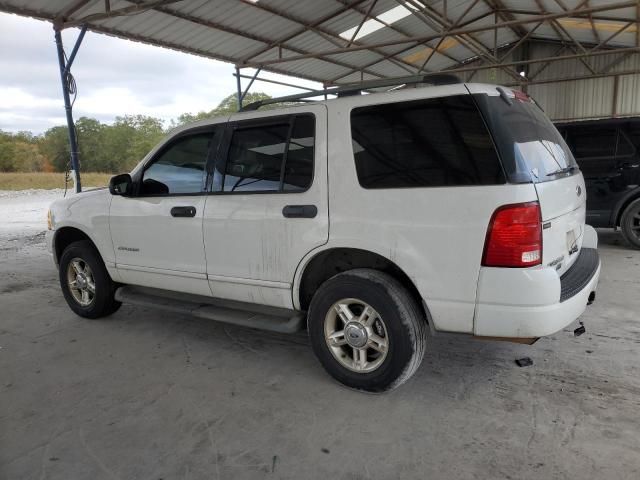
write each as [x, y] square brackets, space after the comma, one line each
[435, 235]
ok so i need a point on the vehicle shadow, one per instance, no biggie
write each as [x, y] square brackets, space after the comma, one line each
[612, 238]
[453, 363]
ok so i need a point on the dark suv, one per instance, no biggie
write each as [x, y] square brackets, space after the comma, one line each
[608, 152]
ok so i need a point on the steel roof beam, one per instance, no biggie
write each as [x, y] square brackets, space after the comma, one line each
[436, 26]
[498, 8]
[596, 17]
[461, 31]
[560, 31]
[193, 51]
[364, 19]
[613, 35]
[71, 9]
[596, 34]
[138, 7]
[417, 44]
[480, 49]
[302, 30]
[520, 42]
[320, 30]
[446, 25]
[446, 30]
[257, 38]
[580, 77]
[397, 30]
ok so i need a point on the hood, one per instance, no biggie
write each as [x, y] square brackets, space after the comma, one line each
[92, 196]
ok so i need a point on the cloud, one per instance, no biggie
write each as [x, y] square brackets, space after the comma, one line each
[114, 77]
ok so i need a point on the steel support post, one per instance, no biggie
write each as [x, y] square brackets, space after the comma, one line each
[65, 66]
[239, 85]
[246, 90]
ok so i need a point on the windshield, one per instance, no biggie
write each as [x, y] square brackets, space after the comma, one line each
[530, 146]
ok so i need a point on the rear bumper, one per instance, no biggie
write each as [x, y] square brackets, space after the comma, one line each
[535, 302]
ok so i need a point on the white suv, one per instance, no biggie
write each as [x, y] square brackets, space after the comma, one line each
[368, 218]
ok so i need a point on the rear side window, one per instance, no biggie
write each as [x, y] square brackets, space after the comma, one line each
[271, 158]
[593, 142]
[425, 143]
[634, 133]
[298, 169]
[255, 159]
[625, 148]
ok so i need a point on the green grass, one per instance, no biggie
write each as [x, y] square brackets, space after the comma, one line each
[41, 180]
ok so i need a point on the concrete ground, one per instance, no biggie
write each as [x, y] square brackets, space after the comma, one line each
[150, 395]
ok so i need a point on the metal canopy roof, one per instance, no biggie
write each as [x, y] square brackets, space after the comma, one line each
[345, 41]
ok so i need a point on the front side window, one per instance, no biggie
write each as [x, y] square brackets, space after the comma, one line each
[271, 158]
[180, 168]
[625, 148]
[425, 143]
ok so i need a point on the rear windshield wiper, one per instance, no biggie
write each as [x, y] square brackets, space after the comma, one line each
[568, 169]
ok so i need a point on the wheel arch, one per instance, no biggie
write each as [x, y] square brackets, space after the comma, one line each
[630, 197]
[65, 236]
[329, 262]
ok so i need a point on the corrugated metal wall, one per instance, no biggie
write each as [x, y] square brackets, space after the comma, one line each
[576, 99]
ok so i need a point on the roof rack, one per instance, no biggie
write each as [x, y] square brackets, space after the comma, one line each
[357, 88]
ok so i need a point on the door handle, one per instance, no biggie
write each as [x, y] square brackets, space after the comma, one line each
[183, 212]
[300, 211]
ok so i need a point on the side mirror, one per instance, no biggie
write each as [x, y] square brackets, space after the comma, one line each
[121, 185]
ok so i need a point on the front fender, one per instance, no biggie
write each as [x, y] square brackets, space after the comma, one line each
[89, 213]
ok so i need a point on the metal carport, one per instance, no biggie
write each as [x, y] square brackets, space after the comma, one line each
[579, 58]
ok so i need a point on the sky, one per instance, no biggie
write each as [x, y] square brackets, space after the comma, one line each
[114, 77]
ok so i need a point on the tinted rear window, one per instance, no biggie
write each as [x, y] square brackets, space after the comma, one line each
[426, 143]
[634, 133]
[530, 146]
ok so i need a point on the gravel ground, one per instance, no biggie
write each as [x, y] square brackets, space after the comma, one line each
[24, 212]
[149, 395]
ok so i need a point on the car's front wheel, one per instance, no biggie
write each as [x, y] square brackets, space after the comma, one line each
[85, 282]
[367, 330]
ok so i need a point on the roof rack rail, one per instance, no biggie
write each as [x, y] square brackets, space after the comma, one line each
[357, 88]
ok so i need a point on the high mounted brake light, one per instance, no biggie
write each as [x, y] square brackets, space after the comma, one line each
[514, 236]
[521, 96]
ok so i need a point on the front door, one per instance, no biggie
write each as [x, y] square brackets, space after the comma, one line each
[269, 205]
[157, 232]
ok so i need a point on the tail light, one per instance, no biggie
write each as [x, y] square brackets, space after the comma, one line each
[514, 236]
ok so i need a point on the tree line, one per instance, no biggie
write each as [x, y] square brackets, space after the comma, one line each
[109, 148]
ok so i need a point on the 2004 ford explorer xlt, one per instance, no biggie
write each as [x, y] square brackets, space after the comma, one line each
[368, 218]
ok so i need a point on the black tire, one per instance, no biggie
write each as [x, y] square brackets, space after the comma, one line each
[103, 302]
[630, 223]
[404, 323]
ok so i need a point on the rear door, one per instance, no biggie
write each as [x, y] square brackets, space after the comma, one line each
[594, 147]
[563, 208]
[268, 207]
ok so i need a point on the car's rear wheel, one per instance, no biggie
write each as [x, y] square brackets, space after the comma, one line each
[85, 282]
[630, 223]
[366, 329]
